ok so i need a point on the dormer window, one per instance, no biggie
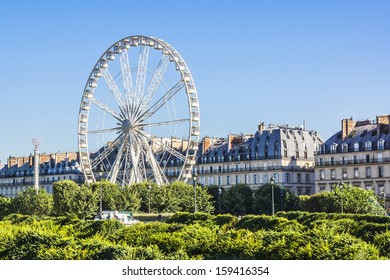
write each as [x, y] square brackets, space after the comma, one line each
[356, 147]
[333, 148]
[381, 144]
[368, 146]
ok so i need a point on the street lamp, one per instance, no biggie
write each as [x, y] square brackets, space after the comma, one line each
[149, 189]
[272, 182]
[101, 192]
[195, 177]
[219, 198]
[341, 187]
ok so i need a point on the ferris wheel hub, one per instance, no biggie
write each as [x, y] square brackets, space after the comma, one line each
[126, 126]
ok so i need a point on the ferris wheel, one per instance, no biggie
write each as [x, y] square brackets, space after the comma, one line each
[139, 115]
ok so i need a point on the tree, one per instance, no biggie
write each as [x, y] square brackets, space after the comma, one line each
[263, 199]
[344, 198]
[357, 200]
[85, 203]
[63, 197]
[5, 206]
[129, 199]
[70, 198]
[237, 200]
[31, 202]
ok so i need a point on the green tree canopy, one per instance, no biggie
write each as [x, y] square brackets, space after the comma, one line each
[70, 198]
[344, 198]
[31, 202]
[237, 200]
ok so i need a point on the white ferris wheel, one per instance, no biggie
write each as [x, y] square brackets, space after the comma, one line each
[139, 115]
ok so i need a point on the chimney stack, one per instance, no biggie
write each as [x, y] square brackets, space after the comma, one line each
[347, 125]
[206, 143]
[382, 120]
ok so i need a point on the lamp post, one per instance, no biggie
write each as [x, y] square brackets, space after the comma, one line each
[195, 177]
[272, 182]
[149, 189]
[219, 199]
[341, 186]
[101, 192]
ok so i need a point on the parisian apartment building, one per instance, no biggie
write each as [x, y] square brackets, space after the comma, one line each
[358, 154]
[18, 173]
[281, 151]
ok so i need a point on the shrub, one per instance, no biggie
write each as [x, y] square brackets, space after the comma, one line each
[254, 223]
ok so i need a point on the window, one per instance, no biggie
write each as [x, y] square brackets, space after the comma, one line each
[288, 178]
[322, 174]
[227, 168]
[254, 178]
[321, 161]
[368, 172]
[333, 148]
[307, 178]
[356, 147]
[381, 144]
[333, 174]
[299, 178]
[355, 159]
[367, 158]
[356, 172]
[237, 167]
[380, 158]
[228, 180]
[380, 171]
[219, 180]
[344, 171]
[344, 148]
[246, 179]
[368, 146]
[237, 179]
[343, 160]
[331, 161]
[219, 169]
[211, 169]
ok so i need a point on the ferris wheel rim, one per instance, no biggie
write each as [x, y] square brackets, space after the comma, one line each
[126, 125]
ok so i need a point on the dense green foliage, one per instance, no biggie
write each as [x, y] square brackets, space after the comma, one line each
[288, 235]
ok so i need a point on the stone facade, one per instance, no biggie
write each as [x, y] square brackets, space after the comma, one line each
[285, 152]
[359, 154]
[18, 173]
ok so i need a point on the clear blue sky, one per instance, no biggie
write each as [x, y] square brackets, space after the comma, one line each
[252, 61]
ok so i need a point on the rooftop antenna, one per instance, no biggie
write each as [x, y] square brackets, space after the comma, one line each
[36, 142]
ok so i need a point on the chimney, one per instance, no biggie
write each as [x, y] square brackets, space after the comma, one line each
[11, 161]
[21, 160]
[206, 143]
[261, 126]
[382, 120]
[30, 160]
[347, 126]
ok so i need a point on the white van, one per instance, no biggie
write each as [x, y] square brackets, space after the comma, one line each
[124, 217]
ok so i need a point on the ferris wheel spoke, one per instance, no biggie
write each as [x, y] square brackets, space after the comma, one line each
[104, 107]
[106, 152]
[103, 130]
[134, 152]
[165, 147]
[165, 123]
[114, 89]
[156, 80]
[158, 173]
[113, 174]
[126, 75]
[141, 74]
[162, 101]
